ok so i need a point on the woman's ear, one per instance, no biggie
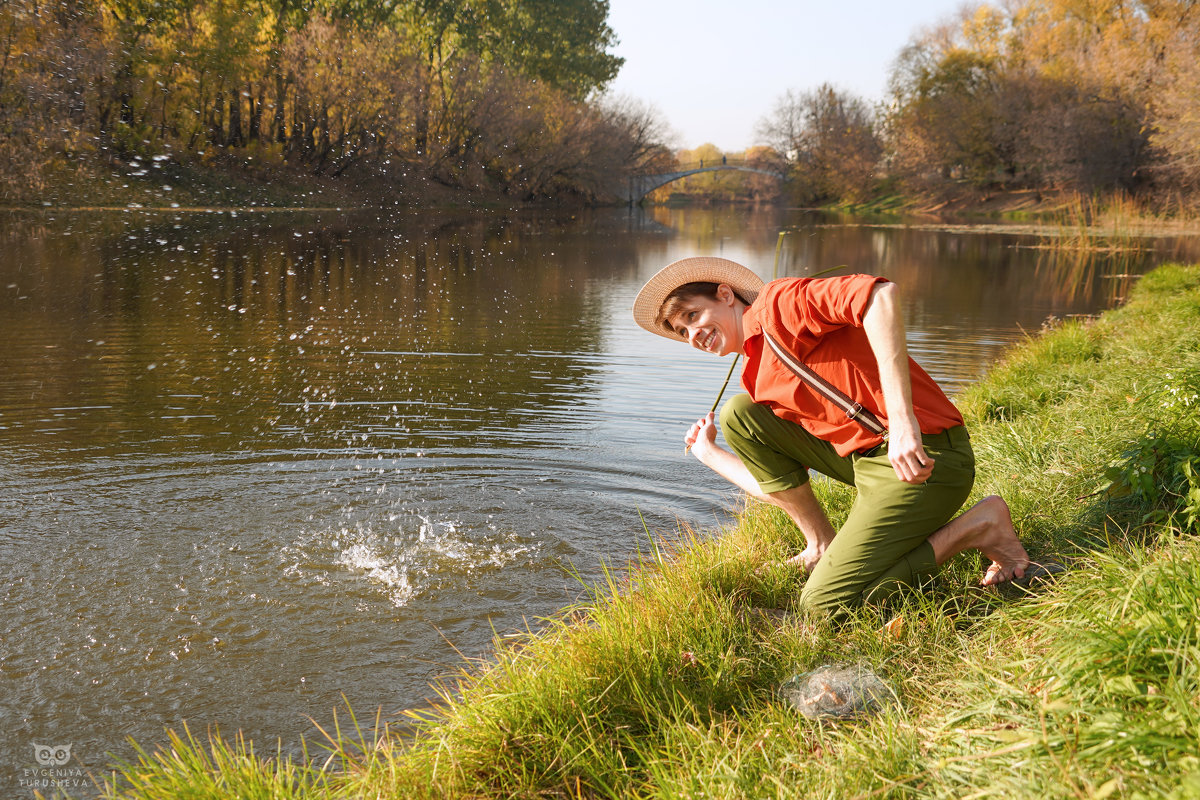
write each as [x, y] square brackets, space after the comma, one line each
[725, 293]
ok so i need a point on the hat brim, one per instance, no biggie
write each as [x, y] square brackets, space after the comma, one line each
[708, 269]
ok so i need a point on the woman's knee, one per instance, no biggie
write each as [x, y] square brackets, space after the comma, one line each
[827, 599]
[735, 407]
[737, 414]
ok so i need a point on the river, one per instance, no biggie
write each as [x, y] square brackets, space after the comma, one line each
[255, 462]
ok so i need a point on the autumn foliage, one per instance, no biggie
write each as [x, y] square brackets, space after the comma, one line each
[1090, 96]
[494, 95]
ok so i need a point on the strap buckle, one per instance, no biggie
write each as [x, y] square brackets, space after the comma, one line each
[854, 411]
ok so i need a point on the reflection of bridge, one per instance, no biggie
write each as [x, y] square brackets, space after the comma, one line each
[638, 186]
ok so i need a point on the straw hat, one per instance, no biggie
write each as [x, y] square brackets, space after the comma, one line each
[690, 270]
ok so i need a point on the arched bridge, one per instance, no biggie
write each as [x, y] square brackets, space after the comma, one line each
[638, 186]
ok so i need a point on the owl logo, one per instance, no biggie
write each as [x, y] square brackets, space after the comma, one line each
[52, 755]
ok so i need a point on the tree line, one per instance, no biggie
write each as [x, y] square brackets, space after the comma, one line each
[507, 96]
[495, 95]
[1082, 95]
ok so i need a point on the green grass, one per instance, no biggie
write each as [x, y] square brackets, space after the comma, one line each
[663, 685]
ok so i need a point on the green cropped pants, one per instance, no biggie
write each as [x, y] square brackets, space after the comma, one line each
[883, 544]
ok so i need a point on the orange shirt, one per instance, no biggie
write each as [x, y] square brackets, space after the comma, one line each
[820, 321]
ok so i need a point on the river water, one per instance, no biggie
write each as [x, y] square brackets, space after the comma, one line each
[253, 462]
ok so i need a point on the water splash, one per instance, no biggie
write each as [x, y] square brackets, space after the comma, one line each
[420, 556]
[380, 568]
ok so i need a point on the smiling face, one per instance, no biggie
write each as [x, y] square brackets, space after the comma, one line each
[713, 325]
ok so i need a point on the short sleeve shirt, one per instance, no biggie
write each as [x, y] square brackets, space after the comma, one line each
[820, 321]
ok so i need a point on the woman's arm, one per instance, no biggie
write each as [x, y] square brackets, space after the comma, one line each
[884, 327]
[702, 439]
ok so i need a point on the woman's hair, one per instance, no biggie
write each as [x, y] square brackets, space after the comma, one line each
[681, 295]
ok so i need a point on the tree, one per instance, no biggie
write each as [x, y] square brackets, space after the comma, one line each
[563, 43]
[132, 23]
[497, 94]
[641, 134]
[828, 137]
[55, 77]
[946, 119]
[1082, 94]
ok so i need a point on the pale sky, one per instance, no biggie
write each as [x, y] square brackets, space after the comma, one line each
[714, 67]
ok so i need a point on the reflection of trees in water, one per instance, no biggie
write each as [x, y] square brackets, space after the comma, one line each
[706, 229]
[967, 293]
[1107, 275]
[986, 269]
[1083, 275]
[217, 328]
[231, 332]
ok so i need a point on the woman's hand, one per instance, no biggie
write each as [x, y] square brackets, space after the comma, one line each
[909, 459]
[702, 436]
[701, 440]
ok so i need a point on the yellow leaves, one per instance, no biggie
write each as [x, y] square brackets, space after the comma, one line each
[896, 627]
[987, 31]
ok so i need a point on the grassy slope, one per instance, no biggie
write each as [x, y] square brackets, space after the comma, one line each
[663, 686]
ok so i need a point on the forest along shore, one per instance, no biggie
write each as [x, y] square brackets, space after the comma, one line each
[496, 99]
[395, 102]
[665, 683]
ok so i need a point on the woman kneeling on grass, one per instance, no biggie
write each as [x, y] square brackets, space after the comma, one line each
[911, 478]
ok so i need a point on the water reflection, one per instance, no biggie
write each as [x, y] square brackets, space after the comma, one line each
[319, 330]
[253, 462]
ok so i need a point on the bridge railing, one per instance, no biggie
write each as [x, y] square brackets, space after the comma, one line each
[728, 162]
[638, 185]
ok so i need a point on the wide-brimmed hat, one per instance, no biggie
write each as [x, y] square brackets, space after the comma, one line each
[709, 269]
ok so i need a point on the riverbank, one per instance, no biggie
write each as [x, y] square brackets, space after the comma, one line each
[664, 684]
[1065, 219]
[229, 182]
[1066, 215]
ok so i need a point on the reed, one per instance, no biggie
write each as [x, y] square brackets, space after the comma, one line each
[662, 683]
[1114, 223]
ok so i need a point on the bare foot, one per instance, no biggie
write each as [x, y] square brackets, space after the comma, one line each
[986, 527]
[806, 559]
[998, 541]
